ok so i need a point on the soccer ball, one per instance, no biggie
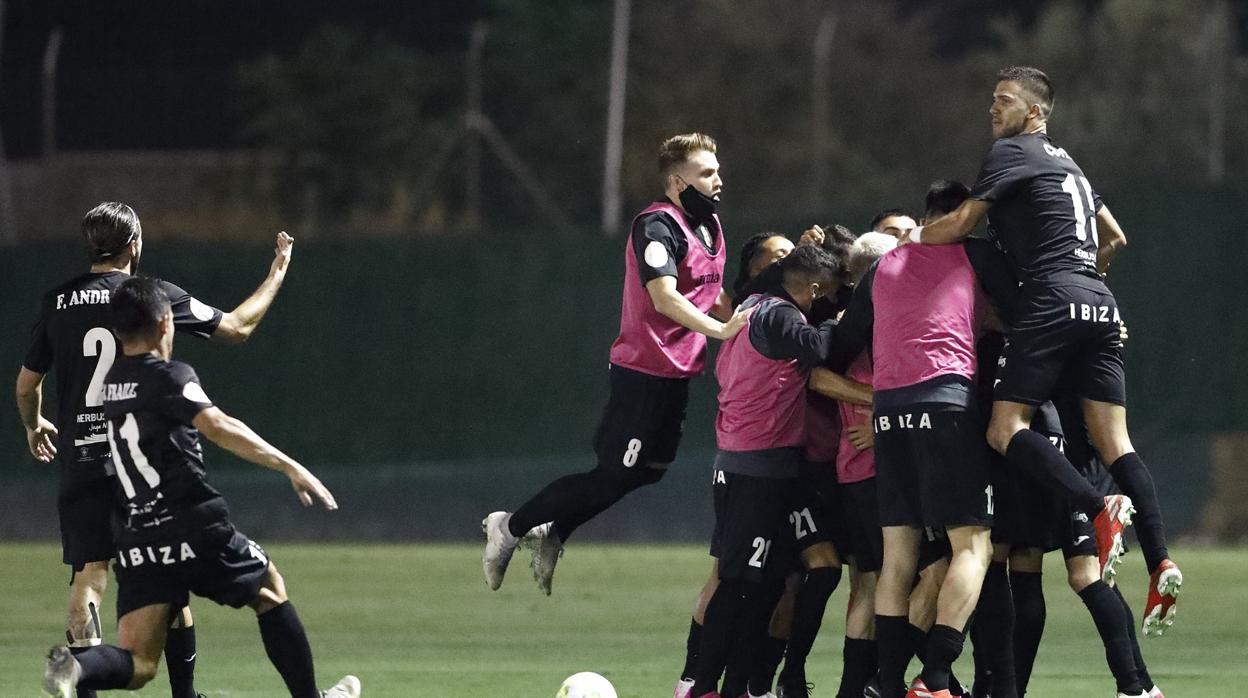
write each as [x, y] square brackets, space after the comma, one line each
[586, 684]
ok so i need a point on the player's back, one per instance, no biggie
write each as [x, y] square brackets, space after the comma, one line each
[150, 404]
[1043, 209]
[73, 339]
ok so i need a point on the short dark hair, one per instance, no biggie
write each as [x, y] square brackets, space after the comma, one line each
[837, 241]
[943, 196]
[749, 252]
[137, 306]
[108, 229]
[888, 213]
[1034, 81]
[810, 264]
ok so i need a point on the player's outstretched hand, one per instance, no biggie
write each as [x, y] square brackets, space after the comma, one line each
[813, 235]
[735, 323]
[1123, 335]
[310, 489]
[39, 439]
[862, 436]
[281, 254]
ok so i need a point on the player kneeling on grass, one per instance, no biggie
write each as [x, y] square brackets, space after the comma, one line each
[176, 536]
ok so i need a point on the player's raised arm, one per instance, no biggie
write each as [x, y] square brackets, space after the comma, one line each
[1110, 238]
[238, 438]
[237, 325]
[39, 431]
[671, 304]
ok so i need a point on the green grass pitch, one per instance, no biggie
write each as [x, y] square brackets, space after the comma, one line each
[417, 620]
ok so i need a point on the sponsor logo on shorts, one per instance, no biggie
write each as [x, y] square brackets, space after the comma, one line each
[155, 555]
[903, 421]
[1094, 313]
[1081, 539]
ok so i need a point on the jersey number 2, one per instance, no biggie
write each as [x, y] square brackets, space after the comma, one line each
[98, 341]
[1085, 215]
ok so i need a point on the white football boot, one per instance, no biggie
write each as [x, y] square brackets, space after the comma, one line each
[499, 547]
[347, 687]
[547, 549]
[60, 675]
[683, 687]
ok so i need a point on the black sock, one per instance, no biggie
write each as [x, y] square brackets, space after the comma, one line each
[287, 646]
[859, 665]
[944, 644]
[691, 649]
[82, 692]
[1141, 670]
[896, 647]
[180, 660]
[763, 675]
[1106, 612]
[808, 609]
[719, 626]
[1136, 482]
[1029, 616]
[105, 667]
[1039, 458]
[574, 499]
[917, 637]
[994, 630]
[740, 661]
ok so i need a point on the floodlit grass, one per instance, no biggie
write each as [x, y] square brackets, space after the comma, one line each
[418, 620]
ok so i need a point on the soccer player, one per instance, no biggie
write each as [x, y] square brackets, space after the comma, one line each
[1060, 238]
[72, 338]
[921, 314]
[174, 536]
[893, 221]
[673, 279]
[760, 429]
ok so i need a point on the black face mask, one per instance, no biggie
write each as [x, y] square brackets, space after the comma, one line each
[697, 204]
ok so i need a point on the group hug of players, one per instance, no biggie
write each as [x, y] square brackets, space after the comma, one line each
[858, 378]
[133, 491]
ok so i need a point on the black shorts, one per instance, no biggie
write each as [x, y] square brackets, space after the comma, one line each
[864, 541]
[812, 508]
[1063, 330]
[933, 547]
[1027, 514]
[643, 420]
[86, 510]
[931, 465]
[751, 530]
[216, 562]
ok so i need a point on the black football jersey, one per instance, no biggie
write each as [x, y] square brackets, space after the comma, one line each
[73, 339]
[149, 406]
[1043, 208]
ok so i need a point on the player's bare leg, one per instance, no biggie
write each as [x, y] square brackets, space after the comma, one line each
[925, 594]
[959, 593]
[1107, 428]
[1009, 433]
[82, 624]
[892, 607]
[130, 664]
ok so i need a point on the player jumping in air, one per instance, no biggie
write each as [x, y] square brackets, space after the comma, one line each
[72, 338]
[673, 281]
[174, 536]
[1060, 237]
